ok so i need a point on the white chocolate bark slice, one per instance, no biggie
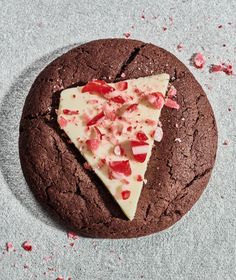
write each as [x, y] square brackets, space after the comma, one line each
[113, 126]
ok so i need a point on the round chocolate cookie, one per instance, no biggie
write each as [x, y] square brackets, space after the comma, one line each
[180, 165]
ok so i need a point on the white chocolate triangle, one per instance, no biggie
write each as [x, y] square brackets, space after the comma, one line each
[91, 104]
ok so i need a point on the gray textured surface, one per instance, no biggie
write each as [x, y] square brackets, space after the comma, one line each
[203, 244]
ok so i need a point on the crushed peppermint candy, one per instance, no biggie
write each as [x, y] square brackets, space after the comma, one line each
[224, 67]
[9, 246]
[141, 136]
[178, 140]
[122, 167]
[156, 99]
[139, 150]
[158, 134]
[27, 246]
[72, 235]
[172, 91]
[62, 122]
[118, 151]
[70, 112]
[139, 178]
[125, 194]
[172, 104]
[199, 60]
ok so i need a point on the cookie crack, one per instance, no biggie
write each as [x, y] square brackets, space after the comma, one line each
[197, 177]
[131, 57]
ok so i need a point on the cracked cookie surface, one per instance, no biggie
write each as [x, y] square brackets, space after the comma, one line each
[177, 173]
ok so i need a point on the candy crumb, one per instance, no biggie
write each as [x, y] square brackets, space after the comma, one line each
[178, 140]
[9, 246]
[199, 60]
[72, 235]
[224, 67]
[27, 246]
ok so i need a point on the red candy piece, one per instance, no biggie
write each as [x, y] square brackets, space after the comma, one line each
[150, 122]
[156, 99]
[139, 178]
[199, 60]
[118, 99]
[139, 150]
[121, 166]
[72, 235]
[125, 194]
[172, 92]
[171, 104]
[96, 119]
[70, 112]
[97, 86]
[132, 107]
[101, 163]
[216, 68]
[121, 86]
[141, 136]
[62, 122]
[226, 68]
[98, 132]
[27, 246]
[93, 144]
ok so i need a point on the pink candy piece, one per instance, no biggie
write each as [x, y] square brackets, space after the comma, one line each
[9, 246]
[199, 60]
[172, 104]
[72, 235]
[62, 122]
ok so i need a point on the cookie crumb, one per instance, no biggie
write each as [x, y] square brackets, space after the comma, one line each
[180, 46]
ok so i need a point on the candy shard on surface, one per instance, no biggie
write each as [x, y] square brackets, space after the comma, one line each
[27, 246]
[114, 135]
[199, 60]
[9, 246]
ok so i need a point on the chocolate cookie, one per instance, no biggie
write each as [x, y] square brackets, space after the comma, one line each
[180, 165]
